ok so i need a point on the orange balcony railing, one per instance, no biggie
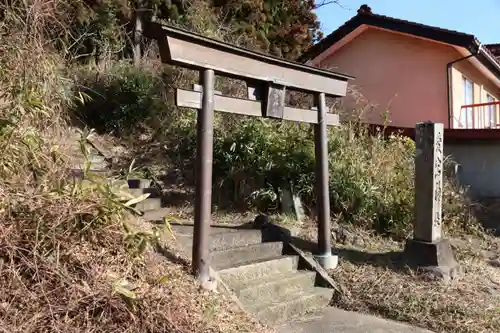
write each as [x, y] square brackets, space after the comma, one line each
[476, 116]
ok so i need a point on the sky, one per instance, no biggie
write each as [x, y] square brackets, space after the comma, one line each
[480, 18]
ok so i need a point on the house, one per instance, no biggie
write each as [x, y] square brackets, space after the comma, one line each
[413, 72]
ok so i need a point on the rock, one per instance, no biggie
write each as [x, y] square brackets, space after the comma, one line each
[358, 242]
[260, 221]
[343, 236]
[494, 262]
[492, 291]
[291, 203]
[444, 274]
[145, 137]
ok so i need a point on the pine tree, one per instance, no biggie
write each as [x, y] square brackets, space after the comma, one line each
[285, 28]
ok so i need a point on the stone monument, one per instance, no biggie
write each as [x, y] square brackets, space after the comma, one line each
[428, 250]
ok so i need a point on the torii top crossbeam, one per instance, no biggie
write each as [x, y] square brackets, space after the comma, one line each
[186, 49]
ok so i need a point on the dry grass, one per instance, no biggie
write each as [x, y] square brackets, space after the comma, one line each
[64, 270]
[375, 283]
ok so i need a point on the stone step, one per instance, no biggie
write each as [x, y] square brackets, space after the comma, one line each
[157, 215]
[139, 183]
[239, 256]
[258, 269]
[78, 173]
[187, 229]
[116, 185]
[153, 192]
[276, 286]
[93, 165]
[229, 239]
[148, 204]
[292, 305]
[76, 152]
[160, 214]
[94, 157]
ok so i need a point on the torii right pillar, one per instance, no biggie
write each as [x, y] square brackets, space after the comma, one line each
[324, 254]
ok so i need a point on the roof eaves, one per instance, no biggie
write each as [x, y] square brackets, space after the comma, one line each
[390, 23]
[451, 37]
[489, 60]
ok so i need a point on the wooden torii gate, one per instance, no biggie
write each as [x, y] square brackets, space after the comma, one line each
[267, 80]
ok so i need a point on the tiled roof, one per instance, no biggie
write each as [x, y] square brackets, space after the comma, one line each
[494, 49]
[366, 17]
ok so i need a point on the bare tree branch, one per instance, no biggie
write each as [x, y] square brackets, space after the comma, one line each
[327, 2]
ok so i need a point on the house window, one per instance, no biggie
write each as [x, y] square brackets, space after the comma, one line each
[466, 118]
[490, 112]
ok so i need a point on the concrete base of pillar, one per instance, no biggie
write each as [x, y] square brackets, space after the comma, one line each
[208, 283]
[327, 261]
[435, 259]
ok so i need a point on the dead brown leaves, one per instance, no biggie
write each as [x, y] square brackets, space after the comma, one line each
[65, 268]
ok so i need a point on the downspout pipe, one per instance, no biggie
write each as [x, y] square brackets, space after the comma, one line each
[449, 67]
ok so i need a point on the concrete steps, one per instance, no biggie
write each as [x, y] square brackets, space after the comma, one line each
[254, 266]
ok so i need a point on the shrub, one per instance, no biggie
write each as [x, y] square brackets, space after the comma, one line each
[371, 177]
[121, 100]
